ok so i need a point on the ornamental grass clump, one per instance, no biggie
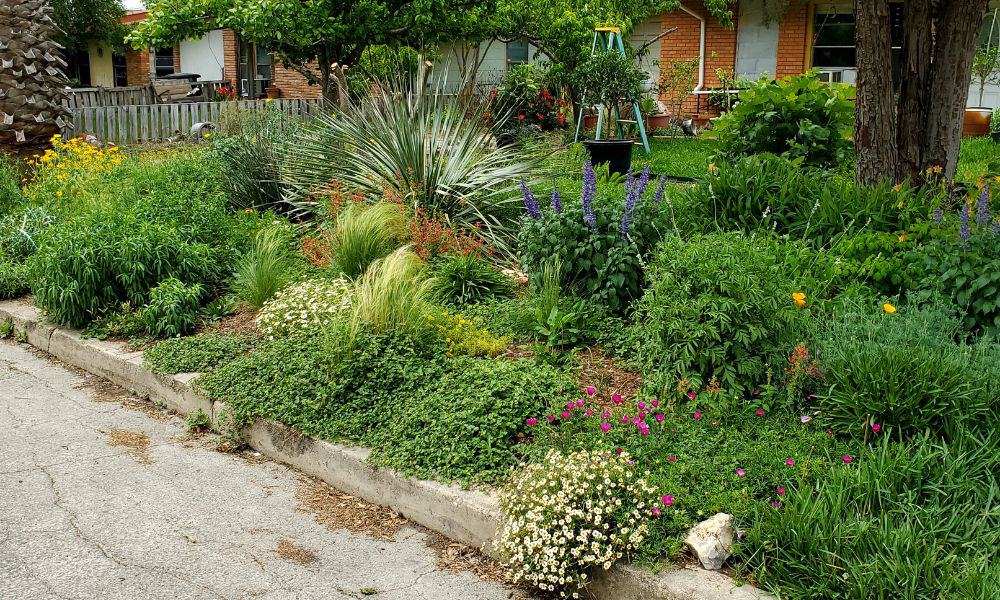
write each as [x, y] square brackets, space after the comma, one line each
[571, 513]
[304, 307]
[364, 234]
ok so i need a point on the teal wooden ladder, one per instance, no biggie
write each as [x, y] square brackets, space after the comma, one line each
[609, 39]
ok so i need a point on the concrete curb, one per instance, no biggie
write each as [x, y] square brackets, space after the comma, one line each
[467, 516]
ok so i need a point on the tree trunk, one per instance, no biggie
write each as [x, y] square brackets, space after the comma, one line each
[874, 130]
[914, 102]
[956, 35]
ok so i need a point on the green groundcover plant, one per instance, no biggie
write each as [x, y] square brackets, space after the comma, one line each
[199, 353]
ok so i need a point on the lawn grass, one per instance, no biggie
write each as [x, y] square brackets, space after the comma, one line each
[677, 157]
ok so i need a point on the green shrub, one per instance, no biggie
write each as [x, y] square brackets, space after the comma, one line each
[798, 117]
[269, 265]
[468, 279]
[511, 317]
[463, 426]
[92, 264]
[769, 194]
[173, 308]
[904, 372]
[600, 245]
[10, 185]
[364, 234]
[719, 307]
[916, 520]
[20, 232]
[197, 354]
[250, 160]
[13, 278]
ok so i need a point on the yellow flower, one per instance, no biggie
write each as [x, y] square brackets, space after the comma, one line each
[897, 187]
[59, 194]
[938, 169]
[799, 298]
[888, 308]
[902, 237]
[206, 135]
[713, 169]
[269, 100]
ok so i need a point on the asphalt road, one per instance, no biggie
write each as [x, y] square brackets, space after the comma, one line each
[102, 496]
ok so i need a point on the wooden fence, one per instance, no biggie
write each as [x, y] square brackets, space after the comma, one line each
[158, 122]
[134, 94]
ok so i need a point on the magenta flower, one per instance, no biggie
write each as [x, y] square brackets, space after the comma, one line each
[656, 512]
[591, 390]
[579, 403]
[876, 427]
[588, 413]
[741, 472]
[697, 416]
[624, 419]
[641, 405]
[565, 414]
[605, 427]
[531, 422]
[672, 458]
[692, 395]
[829, 432]
[775, 503]
[790, 462]
[667, 500]
[642, 415]
[570, 405]
[659, 417]
[805, 418]
[644, 431]
[550, 418]
[848, 459]
[617, 398]
[605, 415]
[636, 420]
[781, 491]
[760, 412]
[655, 403]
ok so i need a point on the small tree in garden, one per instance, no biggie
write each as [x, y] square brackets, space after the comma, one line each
[611, 78]
[677, 81]
[986, 62]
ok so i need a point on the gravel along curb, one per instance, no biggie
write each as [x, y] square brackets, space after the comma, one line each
[467, 516]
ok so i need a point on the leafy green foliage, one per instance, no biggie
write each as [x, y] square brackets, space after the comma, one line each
[905, 372]
[250, 160]
[13, 278]
[611, 78]
[719, 307]
[20, 232]
[199, 353]
[797, 117]
[467, 279]
[364, 234]
[474, 412]
[512, 317]
[10, 185]
[915, 520]
[173, 308]
[269, 265]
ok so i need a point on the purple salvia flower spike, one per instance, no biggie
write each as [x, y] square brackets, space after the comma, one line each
[983, 214]
[556, 200]
[530, 202]
[938, 215]
[589, 188]
[659, 190]
[635, 192]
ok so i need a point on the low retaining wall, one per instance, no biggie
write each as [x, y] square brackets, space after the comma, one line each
[467, 516]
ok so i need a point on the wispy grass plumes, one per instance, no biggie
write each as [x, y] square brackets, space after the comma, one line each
[268, 266]
[364, 234]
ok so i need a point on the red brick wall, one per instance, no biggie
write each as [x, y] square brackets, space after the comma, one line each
[792, 39]
[177, 58]
[230, 57]
[683, 45]
[137, 66]
[294, 85]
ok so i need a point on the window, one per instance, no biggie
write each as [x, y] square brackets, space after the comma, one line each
[78, 68]
[833, 51]
[255, 70]
[119, 69]
[517, 52]
[163, 62]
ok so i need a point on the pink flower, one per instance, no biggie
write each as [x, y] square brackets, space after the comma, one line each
[619, 451]
[790, 462]
[644, 431]
[550, 418]
[655, 403]
[605, 427]
[605, 415]
[805, 418]
[617, 398]
[624, 419]
[656, 512]
[876, 427]
[531, 422]
[591, 390]
[667, 500]
[775, 503]
[692, 395]
[565, 414]
[641, 405]
[570, 405]
[588, 413]
[741, 472]
[781, 491]
[829, 432]
[636, 420]
[848, 459]
[659, 417]
[672, 458]
[642, 415]
[697, 416]
[579, 403]
[760, 412]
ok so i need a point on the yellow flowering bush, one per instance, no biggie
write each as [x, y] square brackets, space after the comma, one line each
[465, 336]
[69, 168]
[574, 512]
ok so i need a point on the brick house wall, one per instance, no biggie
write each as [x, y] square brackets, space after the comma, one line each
[177, 58]
[793, 42]
[137, 66]
[293, 85]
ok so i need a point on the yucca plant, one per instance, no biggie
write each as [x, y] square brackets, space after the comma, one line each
[364, 234]
[420, 146]
[267, 267]
[251, 160]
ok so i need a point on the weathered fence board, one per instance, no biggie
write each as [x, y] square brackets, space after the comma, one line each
[158, 122]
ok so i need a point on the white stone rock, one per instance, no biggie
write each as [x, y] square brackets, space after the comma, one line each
[712, 540]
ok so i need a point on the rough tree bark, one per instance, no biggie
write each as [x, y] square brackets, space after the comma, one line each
[874, 133]
[914, 103]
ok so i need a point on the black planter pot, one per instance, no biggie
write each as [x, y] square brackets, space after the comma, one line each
[617, 153]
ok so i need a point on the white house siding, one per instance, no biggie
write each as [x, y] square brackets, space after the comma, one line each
[650, 59]
[203, 56]
[756, 42]
[491, 72]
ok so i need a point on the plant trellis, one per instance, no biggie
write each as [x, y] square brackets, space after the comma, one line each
[610, 39]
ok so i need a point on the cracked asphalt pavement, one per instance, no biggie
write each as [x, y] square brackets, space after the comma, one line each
[170, 517]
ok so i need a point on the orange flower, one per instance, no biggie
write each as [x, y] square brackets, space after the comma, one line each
[888, 308]
[800, 299]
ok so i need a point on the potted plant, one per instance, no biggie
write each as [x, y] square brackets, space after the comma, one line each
[273, 92]
[985, 71]
[654, 118]
[614, 81]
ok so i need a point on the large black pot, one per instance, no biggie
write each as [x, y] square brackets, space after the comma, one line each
[617, 153]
